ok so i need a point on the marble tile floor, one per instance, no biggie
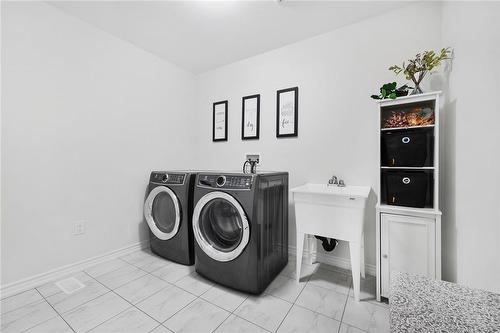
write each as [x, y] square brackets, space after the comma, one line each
[140, 293]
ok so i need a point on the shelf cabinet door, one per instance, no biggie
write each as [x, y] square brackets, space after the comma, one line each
[407, 244]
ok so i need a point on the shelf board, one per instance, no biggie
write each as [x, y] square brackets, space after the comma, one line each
[408, 210]
[407, 168]
[403, 128]
[409, 99]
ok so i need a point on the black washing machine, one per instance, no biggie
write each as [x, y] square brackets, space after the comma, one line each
[240, 224]
[167, 209]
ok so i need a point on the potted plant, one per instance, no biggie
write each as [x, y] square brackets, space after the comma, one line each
[389, 90]
[416, 69]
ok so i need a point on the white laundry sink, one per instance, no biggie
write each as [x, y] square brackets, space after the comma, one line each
[329, 194]
[333, 212]
[326, 209]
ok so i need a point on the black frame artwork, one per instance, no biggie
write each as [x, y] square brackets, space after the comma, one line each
[244, 120]
[224, 138]
[295, 90]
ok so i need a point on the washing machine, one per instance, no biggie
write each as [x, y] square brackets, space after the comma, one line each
[168, 210]
[240, 225]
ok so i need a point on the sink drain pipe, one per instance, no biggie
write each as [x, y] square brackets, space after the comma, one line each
[329, 244]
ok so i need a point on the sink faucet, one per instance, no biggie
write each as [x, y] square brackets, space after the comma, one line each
[333, 181]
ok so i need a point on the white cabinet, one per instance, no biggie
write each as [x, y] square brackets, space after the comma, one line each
[408, 221]
[407, 244]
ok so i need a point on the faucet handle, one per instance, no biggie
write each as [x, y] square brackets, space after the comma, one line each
[341, 183]
[333, 181]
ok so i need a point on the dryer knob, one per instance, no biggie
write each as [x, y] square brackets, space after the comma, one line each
[221, 180]
[164, 178]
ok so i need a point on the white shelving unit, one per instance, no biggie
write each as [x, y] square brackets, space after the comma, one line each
[408, 238]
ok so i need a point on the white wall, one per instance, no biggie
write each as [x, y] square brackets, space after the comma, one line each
[336, 73]
[471, 192]
[85, 117]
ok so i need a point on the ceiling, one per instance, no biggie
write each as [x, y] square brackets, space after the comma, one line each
[203, 35]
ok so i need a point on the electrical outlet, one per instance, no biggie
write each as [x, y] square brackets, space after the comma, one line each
[79, 228]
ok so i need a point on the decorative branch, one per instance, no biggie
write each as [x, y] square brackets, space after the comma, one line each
[416, 69]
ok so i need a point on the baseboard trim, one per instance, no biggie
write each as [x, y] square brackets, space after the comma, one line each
[344, 263]
[39, 279]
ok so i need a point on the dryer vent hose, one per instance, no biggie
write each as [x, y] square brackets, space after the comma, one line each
[329, 244]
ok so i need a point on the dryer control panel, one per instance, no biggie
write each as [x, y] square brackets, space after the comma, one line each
[237, 182]
[168, 178]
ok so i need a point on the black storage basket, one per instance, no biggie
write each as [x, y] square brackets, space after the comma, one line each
[407, 188]
[408, 147]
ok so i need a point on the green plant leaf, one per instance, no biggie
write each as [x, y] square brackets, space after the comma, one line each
[392, 96]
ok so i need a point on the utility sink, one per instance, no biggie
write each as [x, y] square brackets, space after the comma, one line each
[333, 212]
[324, 193]
[331, 209]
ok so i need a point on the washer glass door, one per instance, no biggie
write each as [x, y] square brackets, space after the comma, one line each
[162, 212]
[220, 226]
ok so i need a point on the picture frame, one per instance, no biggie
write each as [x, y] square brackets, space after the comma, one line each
[250, 117]
[219, 121]
[287, 112]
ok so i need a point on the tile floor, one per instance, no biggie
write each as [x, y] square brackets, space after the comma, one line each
[141, 292]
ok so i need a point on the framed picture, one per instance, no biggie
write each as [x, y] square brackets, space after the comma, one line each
[250, 117]
[219, 129]
[287, 107]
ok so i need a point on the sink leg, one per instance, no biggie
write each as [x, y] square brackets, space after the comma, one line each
[300, 249]
[313, 249]
[363, 275]
[355, 249]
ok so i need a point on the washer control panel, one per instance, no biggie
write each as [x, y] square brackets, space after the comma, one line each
[168, 178]
[238, 182]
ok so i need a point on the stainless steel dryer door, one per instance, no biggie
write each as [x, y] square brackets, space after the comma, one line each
[162, 212]
[220, 226]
